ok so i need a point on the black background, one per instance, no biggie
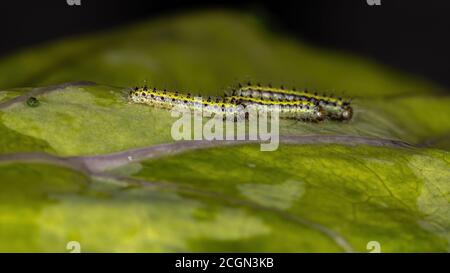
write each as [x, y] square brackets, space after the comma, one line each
[411, 35]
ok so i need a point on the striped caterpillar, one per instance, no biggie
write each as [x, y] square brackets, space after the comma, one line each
[333, 108]
[289, 109]
[168, 100]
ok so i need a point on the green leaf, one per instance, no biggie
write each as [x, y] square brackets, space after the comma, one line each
[398, 197]
[299, 198]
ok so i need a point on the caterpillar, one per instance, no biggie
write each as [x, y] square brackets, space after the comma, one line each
[168, 100]
[289, 109]
[333, 108]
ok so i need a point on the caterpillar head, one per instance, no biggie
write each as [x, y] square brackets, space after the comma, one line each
[132, 93]
[137, 94]
[347, 113]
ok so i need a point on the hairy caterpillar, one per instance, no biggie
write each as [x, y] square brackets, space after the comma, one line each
[292, 109]
[168, 100]
[334, 108]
